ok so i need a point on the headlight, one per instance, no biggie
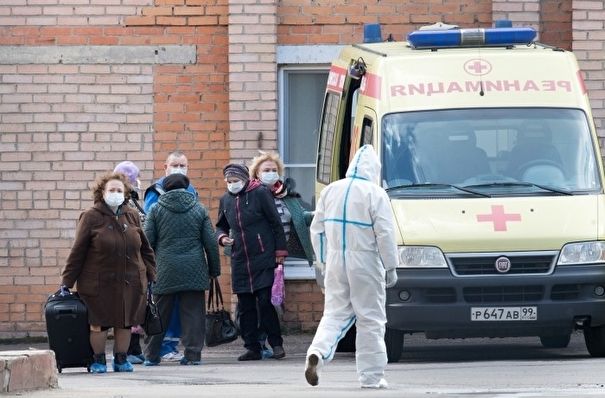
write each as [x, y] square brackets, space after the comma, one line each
[582, 253]
[421, 257]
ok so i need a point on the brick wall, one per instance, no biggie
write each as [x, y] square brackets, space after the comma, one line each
[252, 78]
[63, 124]
[589, 46]
[335, 22]
[86, 84]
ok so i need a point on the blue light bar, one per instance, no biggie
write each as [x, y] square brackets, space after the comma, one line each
[471, 37]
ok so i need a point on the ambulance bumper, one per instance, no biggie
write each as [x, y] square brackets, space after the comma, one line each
[442, 306]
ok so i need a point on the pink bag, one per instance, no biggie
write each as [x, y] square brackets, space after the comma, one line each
[278, 290]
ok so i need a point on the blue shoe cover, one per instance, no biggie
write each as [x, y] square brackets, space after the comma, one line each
[125, 367]
[98, 368]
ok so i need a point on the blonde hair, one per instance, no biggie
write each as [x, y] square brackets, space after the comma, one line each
[263, 157]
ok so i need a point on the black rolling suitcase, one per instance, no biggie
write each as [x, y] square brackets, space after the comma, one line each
[68, 331]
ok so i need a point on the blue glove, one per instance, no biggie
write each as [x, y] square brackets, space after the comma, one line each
[64, 290]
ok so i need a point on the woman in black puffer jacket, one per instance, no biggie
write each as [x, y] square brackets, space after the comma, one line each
[249, 222]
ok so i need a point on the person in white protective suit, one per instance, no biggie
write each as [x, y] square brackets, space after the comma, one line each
[353, 235]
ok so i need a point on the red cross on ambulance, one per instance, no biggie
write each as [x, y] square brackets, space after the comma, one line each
[499, 218]
[477, 67]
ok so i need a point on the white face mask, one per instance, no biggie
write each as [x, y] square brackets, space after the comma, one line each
[269, 178]
[178, 170]
[235, 187]
[114, 199]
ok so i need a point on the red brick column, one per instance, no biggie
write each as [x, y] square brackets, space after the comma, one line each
[252, 36]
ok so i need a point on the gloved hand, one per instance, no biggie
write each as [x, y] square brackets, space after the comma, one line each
[391, 277]
[64, 291]
[321, 268]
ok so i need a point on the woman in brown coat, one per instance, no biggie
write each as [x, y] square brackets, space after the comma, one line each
[111, 261]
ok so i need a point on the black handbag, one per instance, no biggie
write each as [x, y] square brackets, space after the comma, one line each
[220, 328]
[153, 322]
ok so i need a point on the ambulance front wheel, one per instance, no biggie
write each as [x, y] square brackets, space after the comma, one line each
[594, 337]
[393, 339]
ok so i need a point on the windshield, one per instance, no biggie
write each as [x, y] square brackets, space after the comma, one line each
[490, 149]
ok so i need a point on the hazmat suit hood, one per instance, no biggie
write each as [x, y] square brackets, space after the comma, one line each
[365, 164]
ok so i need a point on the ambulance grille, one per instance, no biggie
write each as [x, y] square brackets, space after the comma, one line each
[468, 266]
[565, 292]
[440, 295]
[503, 294]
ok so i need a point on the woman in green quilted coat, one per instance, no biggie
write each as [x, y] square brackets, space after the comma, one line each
[187, 256]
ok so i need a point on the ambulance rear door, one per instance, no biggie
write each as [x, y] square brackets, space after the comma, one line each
[336, 126]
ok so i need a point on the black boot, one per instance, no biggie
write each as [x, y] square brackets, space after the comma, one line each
[119, 358]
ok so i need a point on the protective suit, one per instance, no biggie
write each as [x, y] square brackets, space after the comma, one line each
[353, 235]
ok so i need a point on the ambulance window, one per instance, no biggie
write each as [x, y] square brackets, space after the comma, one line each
[353, 107]
[366, 132]
[492, 150]
[326, 138]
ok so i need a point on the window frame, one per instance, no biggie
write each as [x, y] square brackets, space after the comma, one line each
[298, 59]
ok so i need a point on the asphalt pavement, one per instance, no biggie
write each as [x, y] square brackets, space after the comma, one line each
[477, 368]
[220, 374]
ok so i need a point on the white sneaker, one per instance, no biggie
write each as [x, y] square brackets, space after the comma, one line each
[313, 366]
[381, 384]
[172, 357]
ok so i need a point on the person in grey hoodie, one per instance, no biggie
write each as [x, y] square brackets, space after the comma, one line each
[187, 256]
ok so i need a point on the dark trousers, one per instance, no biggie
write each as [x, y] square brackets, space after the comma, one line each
[192, 313]
[249, 319]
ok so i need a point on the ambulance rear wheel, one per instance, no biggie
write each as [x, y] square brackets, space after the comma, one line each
[594, 337]
[394, 342]
[560, 341]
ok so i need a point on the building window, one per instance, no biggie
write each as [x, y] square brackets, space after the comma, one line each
[302, 75]
[301, 97]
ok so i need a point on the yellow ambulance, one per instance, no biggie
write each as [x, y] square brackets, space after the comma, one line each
[490, 157]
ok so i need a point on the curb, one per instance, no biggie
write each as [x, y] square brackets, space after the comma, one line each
[28, 370]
